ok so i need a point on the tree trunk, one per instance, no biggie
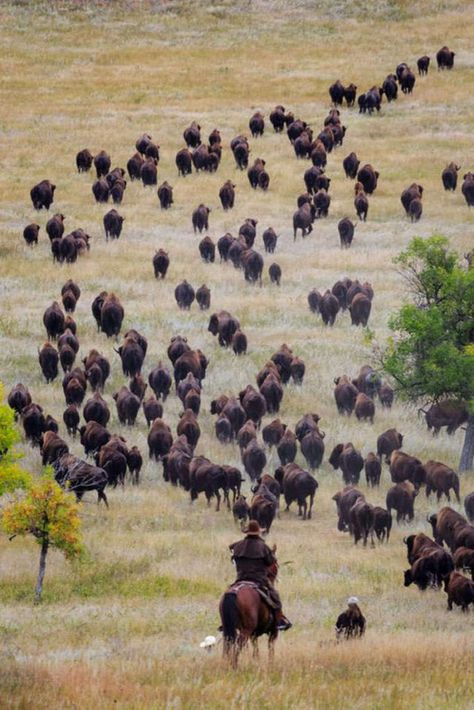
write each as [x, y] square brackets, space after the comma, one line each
[467, 455]
[42, 570]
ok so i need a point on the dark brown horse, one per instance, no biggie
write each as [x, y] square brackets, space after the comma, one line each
[246, 616]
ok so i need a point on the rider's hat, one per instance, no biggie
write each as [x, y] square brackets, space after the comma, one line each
[254, 529]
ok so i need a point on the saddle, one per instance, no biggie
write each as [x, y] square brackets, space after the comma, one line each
[237, 586]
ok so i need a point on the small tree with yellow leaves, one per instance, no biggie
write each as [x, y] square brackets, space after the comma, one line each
[45, 511]
[52, 516]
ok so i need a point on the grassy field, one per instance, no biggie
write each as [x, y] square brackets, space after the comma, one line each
[123, 629]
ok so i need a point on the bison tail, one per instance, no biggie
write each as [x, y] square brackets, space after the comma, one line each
[229, 616]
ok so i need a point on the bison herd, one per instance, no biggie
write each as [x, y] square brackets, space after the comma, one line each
[239, 416]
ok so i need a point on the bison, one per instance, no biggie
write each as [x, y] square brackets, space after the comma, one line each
[297, 485]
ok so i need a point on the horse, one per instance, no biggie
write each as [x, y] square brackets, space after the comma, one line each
[246, 616]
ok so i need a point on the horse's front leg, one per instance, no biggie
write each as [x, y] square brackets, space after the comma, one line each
[255, 647]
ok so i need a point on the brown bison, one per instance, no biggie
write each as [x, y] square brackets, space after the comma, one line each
[134, 166]
[189, 427]
[165, 195]
[401, 498]
[445, 58]
[159, 440]
[97, 410]
[345, 394]
[360, 308]
[34, 423]
[246, 433]
[274, 272]
[464, 559]
[373, 469]
[161, 263]
[368, 177]
[389, 441]
[102, 163]
[460, 591]
[263, 507]
[48, 358]
[254, 459]
[84, 160]
[382, 523]
[42, 195]
[312, 448]
[111, 315]
[54, 321]
[303, 219]
[418, 545]
[113, 224]
[208, 478]
[227, 195]
[200, 218]
[203, 297]
[364, 407]
[286, 447]
[441, 479]
[467, 189]
[184, 295]
[19, 398]
[272, 433]
[347, 458]
[345, 499]
[297, 485]
[71, 420]
[351, 165]
[361, 203]
[361, 521]
[404, 467]
[30, 234]
[328, 308]
[224, 325]
[77, 476]
[207, 250]
[93, 437]
[272, 391]
[152, 409]
[429, 569]
[448, 413]
[184, 162]
[423, 63]
[52, 447]
[449, 176]
[239, 342]
[468, 504]
[192, 135]
[346, 232]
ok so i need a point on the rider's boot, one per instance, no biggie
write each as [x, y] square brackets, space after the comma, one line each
[283, 624]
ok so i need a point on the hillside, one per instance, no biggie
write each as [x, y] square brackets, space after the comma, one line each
[123, 629]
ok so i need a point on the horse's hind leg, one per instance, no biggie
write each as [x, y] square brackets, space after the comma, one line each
[255, 653]
[271, 648]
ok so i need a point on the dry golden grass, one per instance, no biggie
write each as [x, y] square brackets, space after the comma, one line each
[123, 629]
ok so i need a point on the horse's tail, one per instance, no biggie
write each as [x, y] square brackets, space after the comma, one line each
[230, 616]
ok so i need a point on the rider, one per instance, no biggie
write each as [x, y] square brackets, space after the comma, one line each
[252, 557]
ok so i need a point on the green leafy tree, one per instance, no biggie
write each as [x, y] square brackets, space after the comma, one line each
[12, 476]
[431, 355]
[51, 516]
